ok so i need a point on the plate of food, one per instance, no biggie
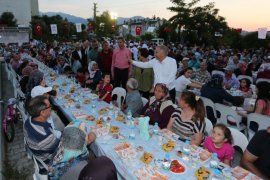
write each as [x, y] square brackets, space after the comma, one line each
[67, 96]
[147, 158]
[72, 90]
[239, 173]
[114, 129]
[202, 173]
[177, 168]
[90, 118]
[168, 147]
[121, 146]
[87, 101]
[149, 172]
[103, 111]
[120, 117]
[79, 114]
[204, 155]
[94, 96]
[99, 123]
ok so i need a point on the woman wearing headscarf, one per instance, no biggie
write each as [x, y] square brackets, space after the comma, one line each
[95, 75]
[214, 90]
[160, 107]
[133, 100]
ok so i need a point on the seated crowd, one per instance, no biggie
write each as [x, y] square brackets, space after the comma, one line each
[68, 149]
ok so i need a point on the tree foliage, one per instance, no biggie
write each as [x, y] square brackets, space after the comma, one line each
[104, 25]
[201, 21]
[8, 19]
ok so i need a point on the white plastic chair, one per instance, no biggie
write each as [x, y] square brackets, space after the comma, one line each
[144, 100]
[227, 112]
[37, 175]
[218, 72]
[208, 126]
[262, 121]
[209, 103]
[245, 77]
[121, 95]
[262, 79]
[239, 139]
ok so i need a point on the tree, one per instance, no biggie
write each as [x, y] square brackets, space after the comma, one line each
[7, 18]
[104, 25]
[147, 36]
[203, 21]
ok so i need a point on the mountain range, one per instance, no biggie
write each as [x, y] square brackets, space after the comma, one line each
[76, 19]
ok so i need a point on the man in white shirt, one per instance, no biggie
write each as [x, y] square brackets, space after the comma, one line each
[164, 68]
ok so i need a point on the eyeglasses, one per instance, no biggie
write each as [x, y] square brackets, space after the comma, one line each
[47, 108]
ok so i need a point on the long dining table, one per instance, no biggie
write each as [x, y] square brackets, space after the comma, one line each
[134, 157]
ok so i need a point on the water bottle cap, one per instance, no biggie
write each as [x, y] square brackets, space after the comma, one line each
[187, 142]
[216, 171]
[214, 155]
[156, 123]
[167, 155]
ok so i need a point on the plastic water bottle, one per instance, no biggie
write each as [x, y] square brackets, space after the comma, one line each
[111, 109]
[217, 175]
[186, 150]
[214, 161]
[129, 117]
[132, 132]
[167, 162]
[156, 129]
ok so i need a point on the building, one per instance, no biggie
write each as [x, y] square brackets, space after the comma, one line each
[22, 10]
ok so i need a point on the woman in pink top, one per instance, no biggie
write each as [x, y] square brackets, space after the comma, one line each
[262, 105]
[220, 142]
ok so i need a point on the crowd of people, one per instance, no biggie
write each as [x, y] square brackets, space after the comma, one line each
[162, 74]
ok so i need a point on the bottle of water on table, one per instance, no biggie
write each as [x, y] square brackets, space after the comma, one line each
[186, 150]
[129, 117]
[214, 161]
[217, 175]
[156, 129]
[132, 132]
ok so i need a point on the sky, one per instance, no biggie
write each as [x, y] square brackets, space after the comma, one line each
[246, 14]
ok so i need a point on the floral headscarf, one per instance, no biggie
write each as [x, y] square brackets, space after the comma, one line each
[157, 102]
[92, 72]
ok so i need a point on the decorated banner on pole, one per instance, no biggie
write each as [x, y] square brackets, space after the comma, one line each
[54, 29]
[78, 27]
[262, 32]
[138, 30]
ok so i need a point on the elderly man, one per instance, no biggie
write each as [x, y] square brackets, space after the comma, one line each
[230, 81]
[39, 135]
[202, 75]
[164, 68]
[256, 157]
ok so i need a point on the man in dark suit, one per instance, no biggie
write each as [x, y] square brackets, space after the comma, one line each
[78, 54]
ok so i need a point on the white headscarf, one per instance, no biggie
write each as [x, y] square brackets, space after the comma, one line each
[92, 72]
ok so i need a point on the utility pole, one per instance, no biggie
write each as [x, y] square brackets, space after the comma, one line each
[95, 11]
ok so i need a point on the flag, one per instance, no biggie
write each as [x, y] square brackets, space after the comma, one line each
[138, 30]
[78, 27]
[262, 32]
[38, 30]
[54, 29]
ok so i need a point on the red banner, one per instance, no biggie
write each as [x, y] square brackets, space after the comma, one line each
[138, 30]
[38, 30]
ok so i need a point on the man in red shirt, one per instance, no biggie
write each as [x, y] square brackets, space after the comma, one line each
[121, 68]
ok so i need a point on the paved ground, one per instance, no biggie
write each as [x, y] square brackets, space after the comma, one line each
[17, 165]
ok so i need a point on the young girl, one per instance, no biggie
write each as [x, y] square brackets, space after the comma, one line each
[104, 89]
[245, 87]
[220, 142]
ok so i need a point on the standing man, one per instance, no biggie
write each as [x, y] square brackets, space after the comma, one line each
[164, 68]
[105, 58]
[121, 67]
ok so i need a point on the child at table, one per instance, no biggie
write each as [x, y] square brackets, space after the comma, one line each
[245, 87]
[220, 142]
[80, 76]
[104, 89]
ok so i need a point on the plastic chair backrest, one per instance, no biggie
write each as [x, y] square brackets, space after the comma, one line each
[239, 139]
[227, 112]
[245, 77]
[218, 72]
[121, 95]
[208, 126]
[262, 121]
[208, 102]
[37, 175]
[262, 79]
[144, 100]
